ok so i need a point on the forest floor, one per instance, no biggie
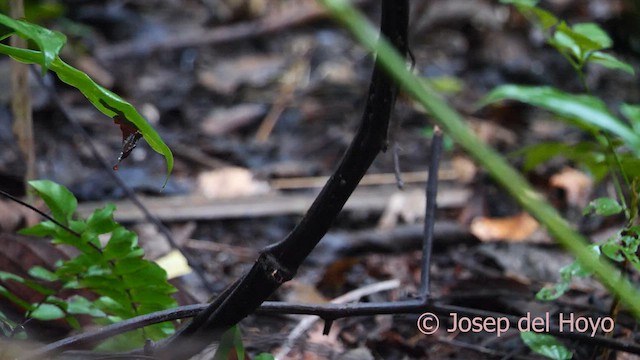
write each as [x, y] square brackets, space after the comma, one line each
[258, 101]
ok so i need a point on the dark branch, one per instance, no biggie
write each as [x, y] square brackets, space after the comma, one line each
[279, 263]
[325, 311]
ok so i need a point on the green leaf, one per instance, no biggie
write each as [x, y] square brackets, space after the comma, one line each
[45, 228]
[58, 198]
[101, 221]
[613, 250]
[230, 340]
[530, 3]
[153, 297]
[104, 100]
[445, 84]
[14, 299]
[610, 62]
[79, 305]
[121, 244]
[7, 276]
[603, 206]
[151, 277]
[47, 312]
[546, 19]
[553, 292]
[594, 33]
[546, 345]
[49, 42]
[39, 272]
[565, 40]
[586, 109]
[632, 112]
[129, 265]
[264, 356]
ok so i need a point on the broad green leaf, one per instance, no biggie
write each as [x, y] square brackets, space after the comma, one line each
[109, 305]
[39, 272]
[78, 305]
[104, 100]
[149, 297]
[584, 43]
[49, 42]
[603, 206]
[587, 109]
[594, 33]
[58, 198]
[129, 265]
[121, 243]
[546, 345]
[610, 62]
[45, 228]
[101, 221]
[47, 312]
[152, 277]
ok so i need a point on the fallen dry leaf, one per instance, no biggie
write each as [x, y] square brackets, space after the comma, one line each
[406, 205]
[576, 185]
[230, 182]
[464, 169]
[224, 120]
[492, 133]
[227, 75]
[514, 228]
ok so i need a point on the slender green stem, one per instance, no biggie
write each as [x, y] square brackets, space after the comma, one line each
[510, 179]
[614, 162]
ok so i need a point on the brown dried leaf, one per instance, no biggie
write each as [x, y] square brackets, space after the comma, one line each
[576, 184]
[514, 228]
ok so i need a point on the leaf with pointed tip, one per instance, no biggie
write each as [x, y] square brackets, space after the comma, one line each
[583, 108]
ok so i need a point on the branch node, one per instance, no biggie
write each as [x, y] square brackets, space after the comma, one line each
[327, 326]
[277, 272]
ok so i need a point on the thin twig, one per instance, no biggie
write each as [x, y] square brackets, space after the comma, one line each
[108, 169]
[430, 212]
[325, 311]
[306, 322]
[40, 212]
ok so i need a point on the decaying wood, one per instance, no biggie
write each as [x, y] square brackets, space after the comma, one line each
[193, 207]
